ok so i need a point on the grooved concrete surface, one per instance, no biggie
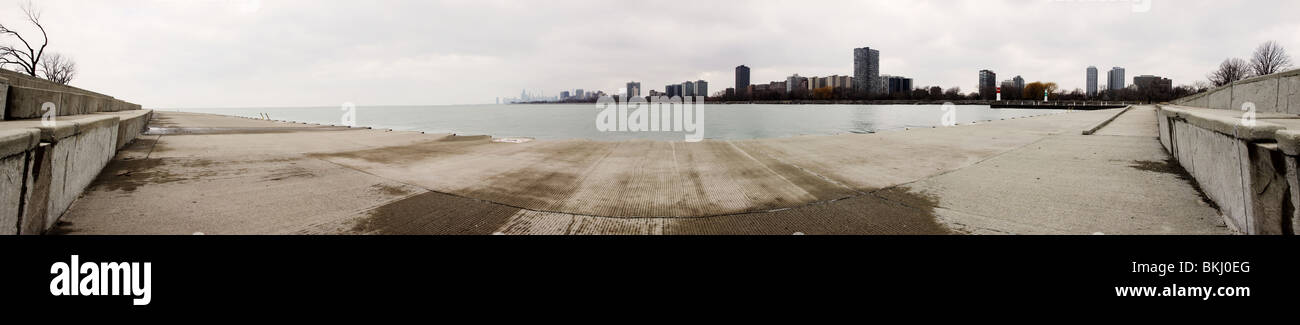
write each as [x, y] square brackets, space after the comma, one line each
[378, 182]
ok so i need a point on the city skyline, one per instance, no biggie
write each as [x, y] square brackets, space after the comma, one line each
[410, 52]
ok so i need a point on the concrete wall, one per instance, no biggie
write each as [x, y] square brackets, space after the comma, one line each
[24, 80]
[4, 96]
[43, 176]
[16, 147]
[1288, 142]
[24, 95]
[1238, 166]
[133, 124]
[44, 168]
[1247, 170]
[1276, 93]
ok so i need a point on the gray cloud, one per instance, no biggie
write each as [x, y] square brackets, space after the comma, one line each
[220, 53]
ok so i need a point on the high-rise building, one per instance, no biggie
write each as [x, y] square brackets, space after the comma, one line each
[579, 94]
[564, 95]
[896, 84]
[1018, 82]
[701, 88]
[1092, 81]
[866, 70]
[688, 89]
[1156, 84]
[795, 82]
[633, 89]
[818, 82]
[1116, 78]
[838, 81]
[675, 90]
[988, 84]
[742, 82]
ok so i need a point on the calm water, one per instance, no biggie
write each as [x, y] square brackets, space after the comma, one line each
[578, 121]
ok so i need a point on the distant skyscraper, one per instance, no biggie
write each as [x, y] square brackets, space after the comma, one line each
[838, 81]
[564, 95]
[1153, 84]
[866, 70]
[675, 90]
[896, 84]
[1116, 78]
[742, 81]
[1019, 82]
[688, 89]
[818, 82]
[578, 93]
[702, 88]
[1092, 81]
[633, 89]
[988, 84]
[795, 82]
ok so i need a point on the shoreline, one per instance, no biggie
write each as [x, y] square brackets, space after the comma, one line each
[534, 138]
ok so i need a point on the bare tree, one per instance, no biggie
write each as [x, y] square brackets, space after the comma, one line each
[1269, 58]
[27, 58]
[1230, 70]
[58, 68]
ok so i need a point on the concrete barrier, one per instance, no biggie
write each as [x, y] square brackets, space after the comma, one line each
[16, 154]
[1275, 93]
[44, 168]
[76, 159]
[22, 96]
[132, 124]
[23, 80]
[25, 103]
[1238, 166]
[1249, 171]
[69, 157]
[1288, 142]
[4, 96]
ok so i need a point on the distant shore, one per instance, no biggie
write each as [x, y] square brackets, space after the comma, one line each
[1025, 104]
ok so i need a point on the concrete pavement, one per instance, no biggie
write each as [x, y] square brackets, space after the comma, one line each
[226, 175]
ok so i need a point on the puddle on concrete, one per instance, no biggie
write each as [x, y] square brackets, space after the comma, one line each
[433, 213]
[1172, 167]
[894, 211]
[128, 175]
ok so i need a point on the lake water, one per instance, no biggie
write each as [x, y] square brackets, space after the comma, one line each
[569, 121]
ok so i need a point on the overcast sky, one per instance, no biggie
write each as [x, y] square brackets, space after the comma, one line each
[239, 53]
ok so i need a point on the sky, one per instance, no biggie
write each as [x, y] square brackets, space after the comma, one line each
[275, 53]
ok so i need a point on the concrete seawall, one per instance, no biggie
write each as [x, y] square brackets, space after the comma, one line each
[44, 167]
[1276, 93]
[1241, 163]
[25, 95]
